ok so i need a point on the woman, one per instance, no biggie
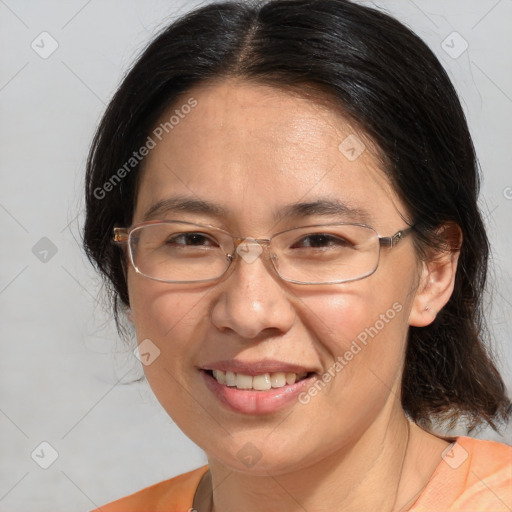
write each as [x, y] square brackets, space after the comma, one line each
[282, 198]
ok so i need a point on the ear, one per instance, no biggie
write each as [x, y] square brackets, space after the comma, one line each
[437, 278]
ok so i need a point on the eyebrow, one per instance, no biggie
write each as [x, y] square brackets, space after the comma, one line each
[320, 207]
[183, 204]
[323, 207]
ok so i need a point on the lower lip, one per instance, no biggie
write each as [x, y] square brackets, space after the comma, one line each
[256, 402]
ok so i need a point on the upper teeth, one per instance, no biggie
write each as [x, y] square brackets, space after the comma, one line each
[258, 382]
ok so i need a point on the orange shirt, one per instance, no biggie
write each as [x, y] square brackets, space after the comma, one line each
[474, 476]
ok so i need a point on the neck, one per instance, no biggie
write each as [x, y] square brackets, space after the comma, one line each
[371, 474]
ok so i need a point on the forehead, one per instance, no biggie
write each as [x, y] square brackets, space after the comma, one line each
[253, 150]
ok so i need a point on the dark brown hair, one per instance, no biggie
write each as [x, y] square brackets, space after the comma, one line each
[385, 79]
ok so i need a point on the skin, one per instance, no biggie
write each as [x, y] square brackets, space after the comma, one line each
[351, 447]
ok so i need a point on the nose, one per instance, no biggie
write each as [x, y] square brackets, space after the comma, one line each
[252, 301]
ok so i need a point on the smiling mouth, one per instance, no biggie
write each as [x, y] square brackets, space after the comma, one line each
[262, 382]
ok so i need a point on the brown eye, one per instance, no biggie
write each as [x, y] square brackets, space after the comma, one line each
[191, 240]
[319, 240]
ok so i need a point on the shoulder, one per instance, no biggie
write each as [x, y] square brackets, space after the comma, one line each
[173, 495]
[482, 450]
[473, 475]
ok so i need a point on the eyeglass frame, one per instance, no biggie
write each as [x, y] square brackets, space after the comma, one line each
[122, 236]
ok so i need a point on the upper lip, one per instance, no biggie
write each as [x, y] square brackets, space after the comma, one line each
[256, 367]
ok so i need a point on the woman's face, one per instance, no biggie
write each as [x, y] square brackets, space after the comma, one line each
[251, 151]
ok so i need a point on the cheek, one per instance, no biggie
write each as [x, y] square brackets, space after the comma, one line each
[344, 316]
[159, 310]
[172, 320]
[361, 338]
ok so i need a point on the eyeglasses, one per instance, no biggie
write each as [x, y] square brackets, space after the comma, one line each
[185, 252]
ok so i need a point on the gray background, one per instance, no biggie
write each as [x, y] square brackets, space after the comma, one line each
[65, 377]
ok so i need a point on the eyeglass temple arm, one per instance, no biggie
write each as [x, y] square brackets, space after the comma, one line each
[120, 235]
[391, 241]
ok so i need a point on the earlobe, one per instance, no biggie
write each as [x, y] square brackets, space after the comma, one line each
[437, 279]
